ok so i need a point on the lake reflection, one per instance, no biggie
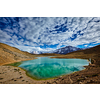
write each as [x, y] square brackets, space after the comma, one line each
[45, 67]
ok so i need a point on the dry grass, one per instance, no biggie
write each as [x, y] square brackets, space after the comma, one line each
[11, 54]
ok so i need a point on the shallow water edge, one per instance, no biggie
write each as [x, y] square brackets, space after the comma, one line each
[19, 63]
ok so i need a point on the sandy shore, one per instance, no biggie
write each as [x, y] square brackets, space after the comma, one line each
[15, 75]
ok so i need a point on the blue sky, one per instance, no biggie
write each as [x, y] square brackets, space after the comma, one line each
[49, 33]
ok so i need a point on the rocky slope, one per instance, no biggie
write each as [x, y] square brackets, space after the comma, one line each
[10, 54]
[66, 50]
[91, 75]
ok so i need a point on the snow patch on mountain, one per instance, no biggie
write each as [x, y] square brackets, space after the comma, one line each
[63, 50]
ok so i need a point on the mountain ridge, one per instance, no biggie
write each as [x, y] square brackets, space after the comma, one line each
[66, 50]
[63, 50]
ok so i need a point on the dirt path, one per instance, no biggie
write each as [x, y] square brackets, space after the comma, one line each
[70, 80]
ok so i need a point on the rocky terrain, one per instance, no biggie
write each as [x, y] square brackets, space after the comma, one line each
[10, 54]
[66, 50]
[91, 75]
[15, 75]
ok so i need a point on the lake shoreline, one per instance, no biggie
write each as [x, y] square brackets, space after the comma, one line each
[87, 76]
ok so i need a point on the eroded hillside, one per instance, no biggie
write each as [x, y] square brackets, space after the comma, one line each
[10, 54]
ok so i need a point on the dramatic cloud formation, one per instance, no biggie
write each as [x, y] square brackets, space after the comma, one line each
[47, 34]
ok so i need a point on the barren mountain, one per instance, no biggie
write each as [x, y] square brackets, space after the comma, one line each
[10, 54]
[91, 53]
[66, 50]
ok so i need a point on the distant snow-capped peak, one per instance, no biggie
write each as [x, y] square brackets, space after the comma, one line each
[63, 50]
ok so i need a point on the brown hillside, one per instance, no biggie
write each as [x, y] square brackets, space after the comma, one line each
[93, 53]
[11, 54]
[95, 49]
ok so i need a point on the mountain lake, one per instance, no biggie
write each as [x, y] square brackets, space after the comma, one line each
[46, 67]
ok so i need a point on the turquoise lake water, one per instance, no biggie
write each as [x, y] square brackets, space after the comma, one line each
[45, 67]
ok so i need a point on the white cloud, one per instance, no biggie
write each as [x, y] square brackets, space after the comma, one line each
[39, 31]
[4, 36]
[31, 49]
